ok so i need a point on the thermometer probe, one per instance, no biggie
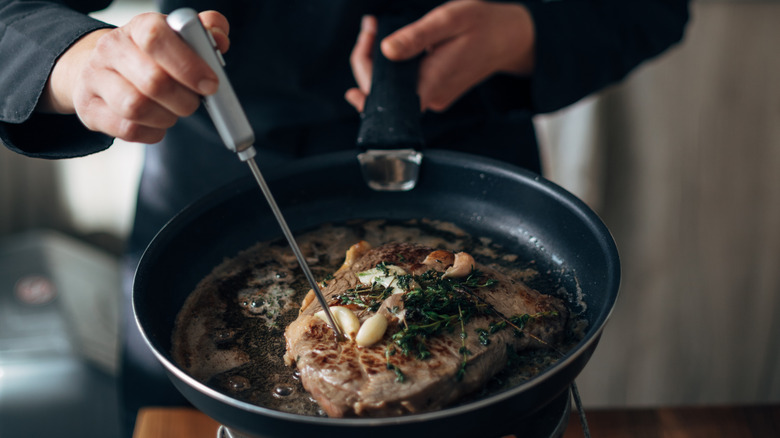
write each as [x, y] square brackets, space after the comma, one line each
[234, 128]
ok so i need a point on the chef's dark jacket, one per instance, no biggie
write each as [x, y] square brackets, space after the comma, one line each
[289, 64]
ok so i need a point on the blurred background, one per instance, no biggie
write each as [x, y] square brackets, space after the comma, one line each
[681, 160]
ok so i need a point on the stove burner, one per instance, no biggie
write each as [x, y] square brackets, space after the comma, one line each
[548, 422]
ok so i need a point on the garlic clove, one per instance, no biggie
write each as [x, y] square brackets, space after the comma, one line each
[463, 265]
[439, 260]
[384, 276]
[346, 320]
[371, 331]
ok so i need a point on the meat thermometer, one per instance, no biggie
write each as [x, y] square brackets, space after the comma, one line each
[234, 128]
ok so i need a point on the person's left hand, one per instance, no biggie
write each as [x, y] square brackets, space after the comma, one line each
[466, 41]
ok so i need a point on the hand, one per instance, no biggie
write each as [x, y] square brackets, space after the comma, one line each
[135, 81]
[466, 41]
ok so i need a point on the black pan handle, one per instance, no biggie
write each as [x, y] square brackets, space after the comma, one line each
[391, 115]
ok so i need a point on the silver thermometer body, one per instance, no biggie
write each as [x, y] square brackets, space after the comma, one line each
[223, 106]
[234, 129]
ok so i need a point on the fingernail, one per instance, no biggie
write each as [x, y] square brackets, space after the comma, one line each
[219, 30]
[208, 86]
[367, 23]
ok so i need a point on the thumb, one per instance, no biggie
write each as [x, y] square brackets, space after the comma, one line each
[414, 38]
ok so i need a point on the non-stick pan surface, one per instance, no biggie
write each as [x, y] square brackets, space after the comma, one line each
[518, 209]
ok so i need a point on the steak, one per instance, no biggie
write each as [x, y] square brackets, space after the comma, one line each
[413, 367]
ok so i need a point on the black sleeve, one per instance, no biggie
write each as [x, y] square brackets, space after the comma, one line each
[33, 34]
[584, 45]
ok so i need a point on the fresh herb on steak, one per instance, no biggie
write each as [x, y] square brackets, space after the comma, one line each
[474, 278]
[365, 297]
[435, 305]
[399, 376]
[464, 352]
[517, 322]
[441, 303]
[405, 281]
[324, 282]
[484, 338]
[438, 304]
[382, 267]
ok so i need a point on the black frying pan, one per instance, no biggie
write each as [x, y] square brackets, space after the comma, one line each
[518, 209]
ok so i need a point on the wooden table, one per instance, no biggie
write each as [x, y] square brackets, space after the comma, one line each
[685, 422]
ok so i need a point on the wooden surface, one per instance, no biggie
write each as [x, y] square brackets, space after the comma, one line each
[174, 423]
[691, 422]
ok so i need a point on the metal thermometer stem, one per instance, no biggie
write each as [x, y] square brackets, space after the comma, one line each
[234, 128]
[294, 245]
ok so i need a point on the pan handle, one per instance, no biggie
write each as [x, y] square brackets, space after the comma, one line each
[391, 115]
[390, 135]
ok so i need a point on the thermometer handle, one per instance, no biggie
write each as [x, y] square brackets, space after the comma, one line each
[223, 106]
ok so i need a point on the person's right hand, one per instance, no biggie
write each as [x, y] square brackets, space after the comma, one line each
[463, 41]
[135, 81]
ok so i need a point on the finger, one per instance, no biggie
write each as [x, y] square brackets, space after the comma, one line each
[219, 27]
[122, 101]
[482, 48]
[360, 58]
[435, 27]
[97, 116]
[153, 37]
[146, 76]
[444, 78]
[356, 98]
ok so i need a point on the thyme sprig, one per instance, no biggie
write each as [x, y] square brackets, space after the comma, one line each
[517, 322]
[433, 305]
[324, 282]
[437, 305]
[382, 266]
[399, 375]
[464, 352]
[365, 296]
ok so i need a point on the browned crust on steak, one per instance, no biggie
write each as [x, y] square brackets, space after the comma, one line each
[347, 380]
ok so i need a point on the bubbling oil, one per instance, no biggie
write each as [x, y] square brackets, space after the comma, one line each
[229, 334]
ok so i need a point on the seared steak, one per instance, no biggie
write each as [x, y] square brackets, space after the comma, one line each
[450, 325]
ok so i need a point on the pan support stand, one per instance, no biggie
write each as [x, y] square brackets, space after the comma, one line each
[557, 432]
[224, 432]
[580, 410]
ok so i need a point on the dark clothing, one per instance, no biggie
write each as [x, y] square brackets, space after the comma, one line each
[289, 64]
